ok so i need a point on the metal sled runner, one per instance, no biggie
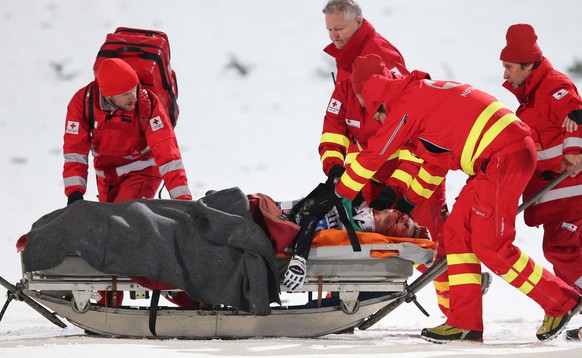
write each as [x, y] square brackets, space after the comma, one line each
[330, 269]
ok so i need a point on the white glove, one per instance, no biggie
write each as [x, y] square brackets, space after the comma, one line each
[295, 274]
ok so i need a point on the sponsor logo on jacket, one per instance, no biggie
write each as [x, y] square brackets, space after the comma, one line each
[560, 94]
[334, 106]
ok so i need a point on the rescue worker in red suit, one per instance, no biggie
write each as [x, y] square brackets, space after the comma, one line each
[454, 126]
[131, 138]
[547, 101]
[347, 128]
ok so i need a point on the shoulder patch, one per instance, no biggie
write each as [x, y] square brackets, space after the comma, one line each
[561, 93]
[72, 127]
[334, 106]
[156, 123]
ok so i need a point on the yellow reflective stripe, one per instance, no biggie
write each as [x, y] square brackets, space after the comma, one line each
[420, 190]
[492, 133]
[518, 268]
[474, 134]
[409, 157]
[469, 258]
[441, 286]
[335, 139]
[361, 171]
[351, 183]
[332, 154]
[351, 157]
[393, 156]
[443, 301]
[429, 178]
[465, 279]
[402, 176]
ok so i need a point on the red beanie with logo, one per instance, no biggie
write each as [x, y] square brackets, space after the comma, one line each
[366, 66]
[522, 45]
[115, 76]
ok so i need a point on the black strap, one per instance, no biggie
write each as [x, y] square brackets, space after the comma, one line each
[154, 305]
[348, 225]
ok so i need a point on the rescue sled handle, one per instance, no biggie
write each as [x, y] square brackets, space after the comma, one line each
[441, 265]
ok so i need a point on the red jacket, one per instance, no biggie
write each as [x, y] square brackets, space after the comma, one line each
[364, 42]
[121, 143]
[347, 127]
[448, 124]
[545, 100]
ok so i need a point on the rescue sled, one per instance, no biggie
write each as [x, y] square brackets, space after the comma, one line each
[67, 260]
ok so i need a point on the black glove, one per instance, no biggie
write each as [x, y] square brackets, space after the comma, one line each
[76, 195]
[404, 206]
[575, 115]
[334, 174]
[385, 199]
[322, 203]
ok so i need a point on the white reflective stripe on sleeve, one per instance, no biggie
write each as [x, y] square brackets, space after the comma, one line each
[561, 193]
[100, 173]
[573, 142]
[75, 181]
[550, 153]
[179, 191]
[171, 166]
[135, 166]
[94, 152]
[76, 158]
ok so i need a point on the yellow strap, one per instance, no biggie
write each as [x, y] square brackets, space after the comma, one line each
[492, 133]
[473, 137]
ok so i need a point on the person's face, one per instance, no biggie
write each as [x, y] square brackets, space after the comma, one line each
[391, 223]
[125, 101]
[515, 73]
[340, 30]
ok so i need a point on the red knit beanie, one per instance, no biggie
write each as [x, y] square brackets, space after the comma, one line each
[366, 66]
[521, 45]
[115, 76]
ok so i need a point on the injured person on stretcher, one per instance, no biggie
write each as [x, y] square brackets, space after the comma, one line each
[220, 249]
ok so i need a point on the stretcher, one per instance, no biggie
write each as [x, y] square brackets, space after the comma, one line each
[361, 282]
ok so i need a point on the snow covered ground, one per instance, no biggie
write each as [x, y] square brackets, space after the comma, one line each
[259, 132]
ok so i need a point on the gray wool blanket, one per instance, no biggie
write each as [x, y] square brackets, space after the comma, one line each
[210, 248]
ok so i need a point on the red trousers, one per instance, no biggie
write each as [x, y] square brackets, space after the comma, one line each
[432, 214]
[563, 249]
[481, 229]
[134, 185]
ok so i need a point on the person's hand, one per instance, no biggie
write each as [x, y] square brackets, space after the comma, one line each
[295, 274]
[570, 125]
[385, 199]
[572, 163]
[321, 203]
[74, 196]
[404, 206]
[334, 174]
